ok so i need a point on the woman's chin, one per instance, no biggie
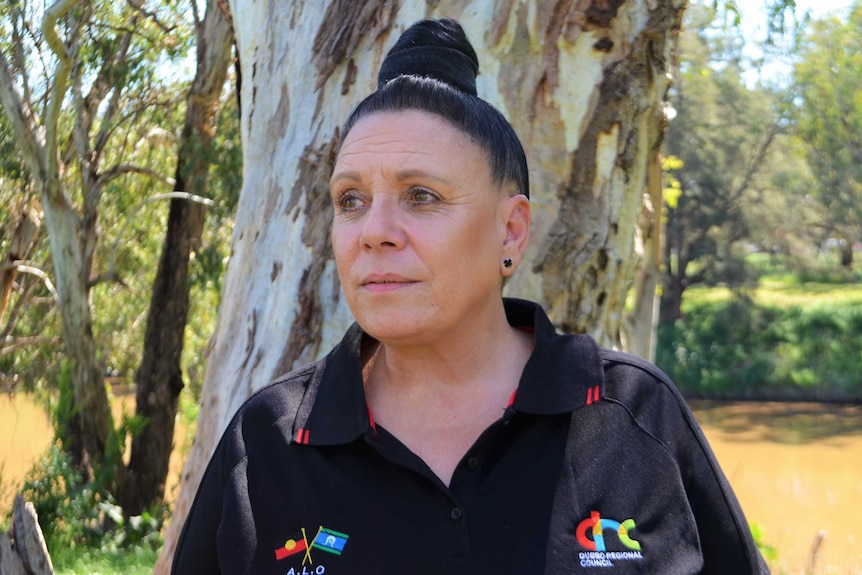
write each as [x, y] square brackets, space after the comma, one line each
[397, 325]
[393, 329]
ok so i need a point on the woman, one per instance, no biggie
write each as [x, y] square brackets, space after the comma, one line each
[453, 431]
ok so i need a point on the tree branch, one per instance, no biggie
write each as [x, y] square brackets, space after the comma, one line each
[755, 164]
[121, 169]
[18, 58]
[121, 56]
[32, 268]
[139, 7]
[16, 309]
[111, 275]
[61, 77]
[21, 119]
[18, 343]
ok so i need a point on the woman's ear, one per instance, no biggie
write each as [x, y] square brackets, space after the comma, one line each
[516, 217]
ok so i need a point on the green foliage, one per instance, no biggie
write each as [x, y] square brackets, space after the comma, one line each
[151, 85]
[759, 534]
[827, 110]
[80, 519]
[819, 271]
[134, 560]
[732, 346]
[7, 493]
[717, 161]
[62, 404]
[712, 351]
[673, 189]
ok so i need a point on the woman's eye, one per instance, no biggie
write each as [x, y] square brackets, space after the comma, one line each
[348, 202]
[422, 196]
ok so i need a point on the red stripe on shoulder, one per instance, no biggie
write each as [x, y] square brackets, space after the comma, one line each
[302, 436]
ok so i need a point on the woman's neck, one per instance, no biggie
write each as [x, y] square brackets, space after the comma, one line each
[438, 402]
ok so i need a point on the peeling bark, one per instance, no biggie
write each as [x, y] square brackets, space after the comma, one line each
[590, 193]
[346, 24]
[303, 343]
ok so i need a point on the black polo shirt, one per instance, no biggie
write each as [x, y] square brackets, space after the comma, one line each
[596, 466]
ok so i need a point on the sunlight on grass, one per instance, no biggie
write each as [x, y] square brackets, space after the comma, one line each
[781, 294]
[128, 561]
[808, 294]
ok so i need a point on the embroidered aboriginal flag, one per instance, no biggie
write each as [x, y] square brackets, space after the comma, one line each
[330, 541]
[291, 547]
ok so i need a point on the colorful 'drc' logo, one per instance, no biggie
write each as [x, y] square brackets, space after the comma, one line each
[597, 526]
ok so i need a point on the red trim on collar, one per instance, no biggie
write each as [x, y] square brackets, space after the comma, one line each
[512, 399]
[371, 418]
[593, 394]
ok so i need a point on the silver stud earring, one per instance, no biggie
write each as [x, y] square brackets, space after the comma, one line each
[507, 262]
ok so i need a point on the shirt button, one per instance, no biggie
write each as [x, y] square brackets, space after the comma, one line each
[473, 463]
[456, 513]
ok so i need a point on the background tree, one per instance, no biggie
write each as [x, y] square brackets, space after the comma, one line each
[829, 119]
[86, 100]
[718, 146]
[160, 377]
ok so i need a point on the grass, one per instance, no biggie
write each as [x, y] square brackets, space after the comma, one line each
[132, 560]
[774, 292]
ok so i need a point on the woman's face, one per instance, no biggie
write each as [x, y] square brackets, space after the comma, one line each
[420, 228]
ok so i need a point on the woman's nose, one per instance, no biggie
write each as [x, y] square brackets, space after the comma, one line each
[382, 226]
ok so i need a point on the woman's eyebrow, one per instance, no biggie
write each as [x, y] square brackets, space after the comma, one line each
[411, 174]
[351, 175]
[400, 175]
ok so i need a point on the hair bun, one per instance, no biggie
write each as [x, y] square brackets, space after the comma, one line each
[437, 49]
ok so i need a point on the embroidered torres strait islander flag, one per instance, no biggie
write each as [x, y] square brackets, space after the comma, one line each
[292, 546]
[329, 540]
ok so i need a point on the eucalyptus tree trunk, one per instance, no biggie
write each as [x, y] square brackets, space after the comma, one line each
[160, 379]
[640, 333]
[581, 81]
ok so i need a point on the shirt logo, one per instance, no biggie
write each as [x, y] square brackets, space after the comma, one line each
[591, 535]
[327, 540]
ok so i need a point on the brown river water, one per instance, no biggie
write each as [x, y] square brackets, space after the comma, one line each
[796, 468]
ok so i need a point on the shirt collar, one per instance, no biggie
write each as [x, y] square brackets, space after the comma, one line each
[563, 374]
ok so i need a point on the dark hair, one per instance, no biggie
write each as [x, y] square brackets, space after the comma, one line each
[432, 68]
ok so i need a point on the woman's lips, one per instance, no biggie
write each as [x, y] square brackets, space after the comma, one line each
[385, 283]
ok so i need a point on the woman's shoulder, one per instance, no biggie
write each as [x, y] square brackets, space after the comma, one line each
[281, 397]
[627, 371]
[649, 396]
